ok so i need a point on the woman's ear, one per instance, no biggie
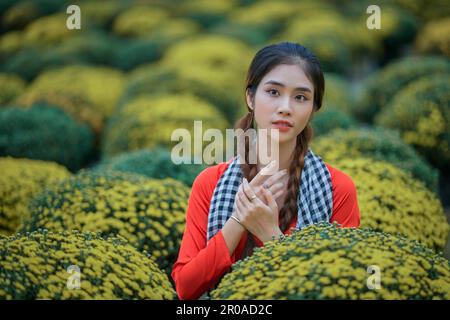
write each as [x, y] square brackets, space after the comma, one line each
[249, 98]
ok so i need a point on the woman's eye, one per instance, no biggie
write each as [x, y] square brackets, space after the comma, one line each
[301, 98]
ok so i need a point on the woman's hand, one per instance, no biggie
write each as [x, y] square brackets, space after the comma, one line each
[269, 180]
[259, 218]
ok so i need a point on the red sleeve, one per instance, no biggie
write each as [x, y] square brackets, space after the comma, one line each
[200, 266]
[345, 202]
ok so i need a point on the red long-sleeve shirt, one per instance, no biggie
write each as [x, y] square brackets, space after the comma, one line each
[200, 266]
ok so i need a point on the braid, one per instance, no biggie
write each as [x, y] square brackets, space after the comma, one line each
[290, 207]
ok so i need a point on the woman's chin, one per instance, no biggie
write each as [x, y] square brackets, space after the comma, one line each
[281, 137]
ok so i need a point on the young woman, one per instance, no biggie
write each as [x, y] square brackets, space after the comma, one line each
[235, 206]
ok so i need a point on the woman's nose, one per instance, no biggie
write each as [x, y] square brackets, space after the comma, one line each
[284, 109]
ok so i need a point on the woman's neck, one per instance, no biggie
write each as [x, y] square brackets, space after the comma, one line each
[284, 156]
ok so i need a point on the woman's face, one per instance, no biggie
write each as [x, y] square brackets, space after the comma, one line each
[284, 93]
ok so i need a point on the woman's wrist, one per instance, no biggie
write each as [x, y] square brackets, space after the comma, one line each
[237, 222]
[232, 232]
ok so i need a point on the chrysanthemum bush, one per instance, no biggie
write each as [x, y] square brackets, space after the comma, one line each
[421, 113]
[140, 20]
[173, 30]
[267, 16]
[251, 35]
[11, 86]
[326, 34]
[212, 61]
[152, 163]
[434, 38]
[88, 82]
[34, 9]
[331, 118]
[78, 107]
[423, 10]
[45, 265]
[379, 144]
[133, 52]
[337, 93]
[28, 63]
[399, 73]
[47, 30]
[150, 78]
[149, 213]
[391, 200]
[17, 16]
[149, 121]
[336, 39]
[102, 15]
[204, 12]
[93, 47]
[44, 132]
[10, 43]
[34, 49]
[327, 262]
[158, 79]
[398, 26]
[20, 181]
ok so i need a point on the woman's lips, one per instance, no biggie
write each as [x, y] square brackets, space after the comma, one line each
[283, 127]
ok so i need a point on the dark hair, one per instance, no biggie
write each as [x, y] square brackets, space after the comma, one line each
[264, 61]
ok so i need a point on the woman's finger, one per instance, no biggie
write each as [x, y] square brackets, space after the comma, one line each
[278, 194]
[248, 190]
[264, 173]
[276, 187]
[242, 199]
[270, 201]
[275, 178]
[240, 208]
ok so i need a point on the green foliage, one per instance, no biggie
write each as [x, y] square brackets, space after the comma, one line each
[155, 163]
[44, 132]
[10, 87]
[140, 20]
[337, 94]
[434, 38]
[421, 113]
[382, 86]
[330, 119]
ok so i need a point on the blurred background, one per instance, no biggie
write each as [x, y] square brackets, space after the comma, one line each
[100, 103]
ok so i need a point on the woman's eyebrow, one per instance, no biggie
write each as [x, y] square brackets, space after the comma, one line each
[282, 85]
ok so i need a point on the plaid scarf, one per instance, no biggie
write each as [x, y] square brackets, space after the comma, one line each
[315, 198]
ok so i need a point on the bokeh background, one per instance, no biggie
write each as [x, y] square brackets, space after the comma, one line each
[86, 117]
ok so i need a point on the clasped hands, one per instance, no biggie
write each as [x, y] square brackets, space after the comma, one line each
[255, 203]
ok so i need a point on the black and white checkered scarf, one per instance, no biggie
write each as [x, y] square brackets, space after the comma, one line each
[315, 198]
